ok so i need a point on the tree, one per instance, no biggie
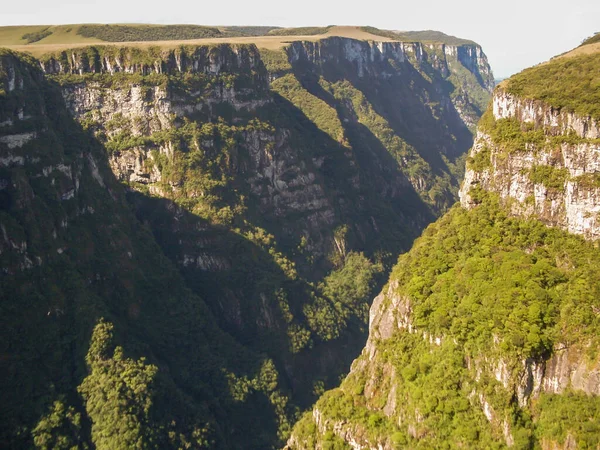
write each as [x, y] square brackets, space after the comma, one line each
[59, 429]
[118, 394]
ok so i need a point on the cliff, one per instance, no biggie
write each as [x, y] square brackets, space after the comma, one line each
[486, 333]
[469, 346]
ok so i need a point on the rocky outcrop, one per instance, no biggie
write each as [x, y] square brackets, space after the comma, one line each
[566, 192]
[570, 368]
[275, 172]
[285, 182]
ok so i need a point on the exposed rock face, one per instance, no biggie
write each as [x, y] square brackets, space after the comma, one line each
[573, 201]
[506, 106]
[369, 58]
[276, 174]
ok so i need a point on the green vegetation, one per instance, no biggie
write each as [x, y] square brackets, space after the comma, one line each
[591, 40]
[299, 31]
[487, 292]
[481, 161]
[588, 180]
[52, 34]
[249, 30]
[510, 135]
[384, 33]
[201, 164]
[190, 295]
[569, 84]
[309, 435]
[483, 283]
[160, 371]
[468, 84]
[324, 116]
[427, 36]
[546, 289]
[118, 394]
[430, 393]
[36, 36]
[94, 33]
[12, 35]
[276, 61]
[133, 33]
[405, 155]
[343, 293]
[551, 177]
[154, 66]
[569, 414]
[59, 429]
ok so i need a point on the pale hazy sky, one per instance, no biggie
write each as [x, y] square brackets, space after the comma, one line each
[513, 33]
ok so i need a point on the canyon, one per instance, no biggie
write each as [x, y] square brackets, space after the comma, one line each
[211, 220]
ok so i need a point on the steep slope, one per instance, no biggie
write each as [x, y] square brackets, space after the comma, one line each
[486, 335]
[276, 192]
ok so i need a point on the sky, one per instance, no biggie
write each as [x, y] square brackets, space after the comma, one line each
[514, 34]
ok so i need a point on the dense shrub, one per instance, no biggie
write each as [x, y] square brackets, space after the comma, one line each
[249, 30]
[36, 36]
[300, 31]
[591, 40]
[132, 33]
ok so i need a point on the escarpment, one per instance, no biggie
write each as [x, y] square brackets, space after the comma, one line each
[212, 59]
[486, 335]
